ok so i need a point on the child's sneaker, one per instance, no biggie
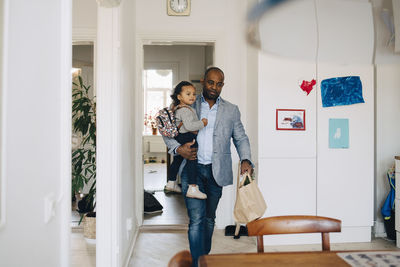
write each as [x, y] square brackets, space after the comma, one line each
[194, 192]
[172, 186]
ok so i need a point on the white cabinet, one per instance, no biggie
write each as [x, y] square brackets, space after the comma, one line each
[154, 146]
[298, 173]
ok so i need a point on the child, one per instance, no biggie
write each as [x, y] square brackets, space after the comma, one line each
[183, 97]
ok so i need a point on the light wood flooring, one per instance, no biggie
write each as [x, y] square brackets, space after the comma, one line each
[174, 211]
[82, 253]
[156, 248]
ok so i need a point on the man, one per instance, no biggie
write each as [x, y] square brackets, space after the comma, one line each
[214, 158]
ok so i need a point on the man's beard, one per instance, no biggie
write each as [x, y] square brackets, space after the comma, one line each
[209, 96]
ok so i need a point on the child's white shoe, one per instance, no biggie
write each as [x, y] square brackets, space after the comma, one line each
[194, 192]
[172, 186]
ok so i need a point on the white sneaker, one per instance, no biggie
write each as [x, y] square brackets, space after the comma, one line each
[172, 186]
[194, 192]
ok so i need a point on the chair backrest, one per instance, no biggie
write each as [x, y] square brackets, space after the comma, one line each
[181, 259]
[293, 225]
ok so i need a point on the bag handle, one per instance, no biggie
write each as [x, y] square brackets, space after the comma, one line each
[247, 175]
[237, 228]
[240, 184]
[238, 178]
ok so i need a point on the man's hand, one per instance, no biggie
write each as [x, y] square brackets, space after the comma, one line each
[187, 152]
[245, 166]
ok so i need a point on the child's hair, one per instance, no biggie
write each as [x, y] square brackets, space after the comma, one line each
[178, 90]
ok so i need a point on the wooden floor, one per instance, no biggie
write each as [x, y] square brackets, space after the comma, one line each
[174, 211]
[155, 248]
[82, 254]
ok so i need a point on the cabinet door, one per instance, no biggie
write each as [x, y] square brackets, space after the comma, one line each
[279, 88]
[288, 186]
[345, 185]
[287, 159]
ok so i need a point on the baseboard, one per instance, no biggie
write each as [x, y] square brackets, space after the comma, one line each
[131, 247]
[379, 229]
[163, 228]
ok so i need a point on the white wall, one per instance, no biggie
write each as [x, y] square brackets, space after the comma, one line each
[190, 60]
[37, 119]
[83, 58]
[383, 54]
[2, 83]
[83, 54]
[387, 90]
[84, 14]
[128, 166]
[223, 21]
[387, 130]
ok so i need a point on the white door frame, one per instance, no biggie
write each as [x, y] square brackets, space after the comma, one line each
[3, 84]
[66, 119]
[158, 39]
[108, 150]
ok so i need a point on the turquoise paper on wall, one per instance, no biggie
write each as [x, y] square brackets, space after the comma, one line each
[338, 133]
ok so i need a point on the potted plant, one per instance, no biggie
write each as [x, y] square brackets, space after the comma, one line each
[150, 122]
[84, 153]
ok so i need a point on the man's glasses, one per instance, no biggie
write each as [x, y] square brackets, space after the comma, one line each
[211, 83]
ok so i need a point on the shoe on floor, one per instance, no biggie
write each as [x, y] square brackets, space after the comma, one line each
[194, 192]
[151, 204]
[172, 186]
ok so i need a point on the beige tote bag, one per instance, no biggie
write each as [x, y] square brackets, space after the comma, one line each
[250, 204]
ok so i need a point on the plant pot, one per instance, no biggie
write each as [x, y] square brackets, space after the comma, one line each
[89, 227]
[154, 131]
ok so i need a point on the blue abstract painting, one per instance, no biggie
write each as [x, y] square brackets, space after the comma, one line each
[338, 133]
[341, 91]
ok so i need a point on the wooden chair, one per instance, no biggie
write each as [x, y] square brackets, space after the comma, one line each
[293, 225]
[181, 259]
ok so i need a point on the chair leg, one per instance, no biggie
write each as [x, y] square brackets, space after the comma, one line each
[325, 242]
[260, 244]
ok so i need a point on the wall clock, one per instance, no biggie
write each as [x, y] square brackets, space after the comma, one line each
[178, 7]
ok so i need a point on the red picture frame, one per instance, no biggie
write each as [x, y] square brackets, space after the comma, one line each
[290, 119]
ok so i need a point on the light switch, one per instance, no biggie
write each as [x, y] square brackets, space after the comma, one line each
[49, 207]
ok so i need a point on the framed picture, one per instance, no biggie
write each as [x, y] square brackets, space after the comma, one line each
[291, 119]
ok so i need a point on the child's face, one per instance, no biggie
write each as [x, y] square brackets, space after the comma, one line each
[188, 95]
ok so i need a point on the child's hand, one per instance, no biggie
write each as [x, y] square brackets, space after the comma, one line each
[205, 121]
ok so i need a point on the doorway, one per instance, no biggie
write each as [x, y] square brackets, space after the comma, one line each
[82, 68]
[83, 161]
[163, 67]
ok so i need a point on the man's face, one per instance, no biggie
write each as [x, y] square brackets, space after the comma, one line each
[212, 85]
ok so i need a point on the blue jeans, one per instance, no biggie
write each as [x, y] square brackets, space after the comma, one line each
[201, 212]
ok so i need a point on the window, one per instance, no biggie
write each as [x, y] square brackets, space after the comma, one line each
[157, 91]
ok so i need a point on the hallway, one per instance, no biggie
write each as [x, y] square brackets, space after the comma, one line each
[174, 211]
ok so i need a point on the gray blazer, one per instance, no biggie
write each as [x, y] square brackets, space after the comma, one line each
[227, 125]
